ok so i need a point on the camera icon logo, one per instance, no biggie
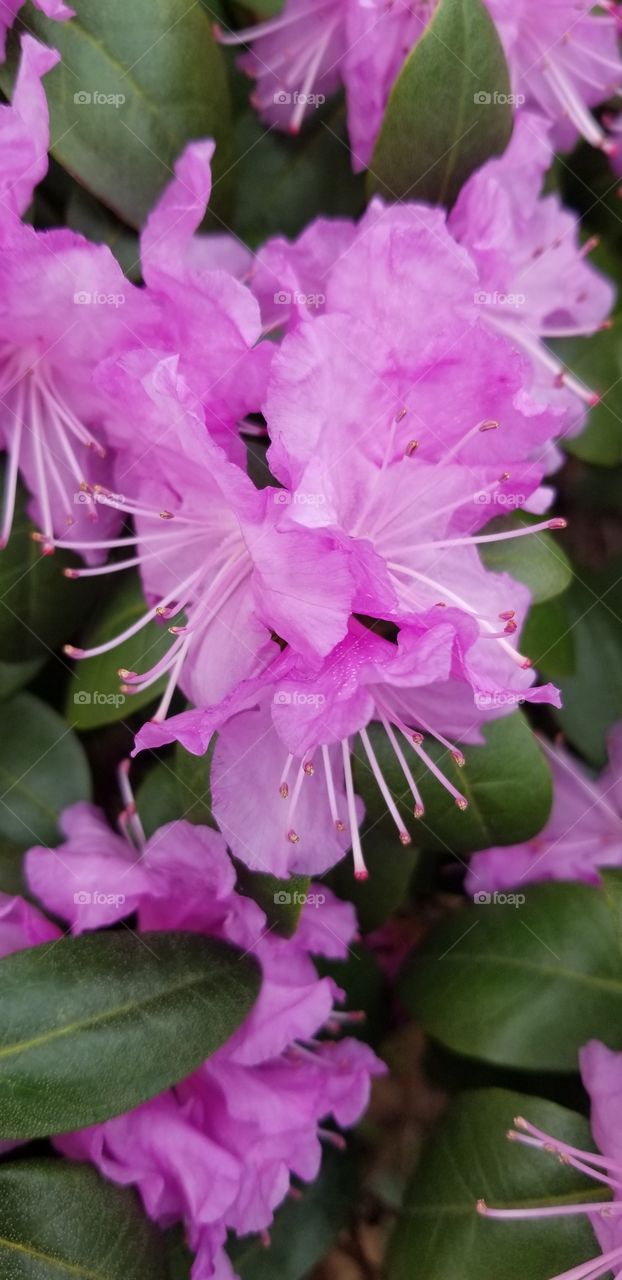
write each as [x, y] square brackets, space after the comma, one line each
[82, 98]
[282, 98]
[482, 99]
[82, 298]
[283, 298]
[83, 898]
[282, 898]
[482, 899]
[82, 698]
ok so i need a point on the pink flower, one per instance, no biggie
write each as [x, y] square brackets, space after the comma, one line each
[297, 811]
[10, 8]
[584, 831]
[219, 1150]
[208, 545]
[192, 281]
[601, 1070]
[24, 131]
[296, 58]
[65, 304]
[534, 281]
[563, 58]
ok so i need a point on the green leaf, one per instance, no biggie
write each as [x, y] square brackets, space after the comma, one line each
[597, 362]
[38, 608]
[507, 783]
[157, 798]
[59, 1220]
[14, 675]
[390, 867]
[43, 769]
[537, 561]
[94, 697]
[135, 84]
[544, 974]
[449, 109]
[284, 183]
[469, 1158]
[303, 1230]
[612, 886]
[548, 639]
[193, 785]
[111, 1019]
[592, 696]
[281, 900]
[12, 879]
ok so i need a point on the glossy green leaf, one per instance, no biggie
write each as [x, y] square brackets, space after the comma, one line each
[538, 561]
[523, 983]
[59, 1220]
[284, 183]
[111, 1019]
[597, 362]
[548, 639]
[42, 770]
[449, 110]
[390, 867]
[135, 84]
[94, 696]
[12, 879]
[469, 1158]
[38, 609]
[14, 675]
[157, 798]
[303, 1230]
[193, 785]
[592, 696]
[281, 900]
[507, 784]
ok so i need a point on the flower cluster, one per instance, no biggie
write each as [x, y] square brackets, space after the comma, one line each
[408, 397]
[219, 1150]
[563, 59]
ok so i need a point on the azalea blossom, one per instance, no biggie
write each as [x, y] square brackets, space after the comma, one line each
[535, 283]
[213, 562]
[583, 833]
[219, 1150]
[9, 10]
[563, 59]
[601, 1071]
[65, 305]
